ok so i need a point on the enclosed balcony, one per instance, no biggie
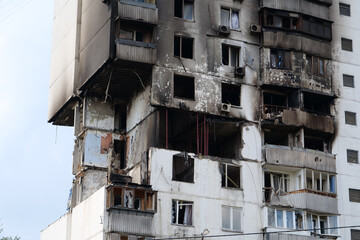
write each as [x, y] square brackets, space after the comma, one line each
[131, 208]
[142, 11]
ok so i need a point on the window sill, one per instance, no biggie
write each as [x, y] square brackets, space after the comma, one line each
[181, 181]
[229, 230]
[187, 20]
[231, 188]
[181, 225]
[181, 98]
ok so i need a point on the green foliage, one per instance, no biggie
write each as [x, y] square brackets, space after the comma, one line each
[7, 238]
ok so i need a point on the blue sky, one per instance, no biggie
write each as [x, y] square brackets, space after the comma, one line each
[35, 156]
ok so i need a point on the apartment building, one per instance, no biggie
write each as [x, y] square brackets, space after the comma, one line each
[207, 118]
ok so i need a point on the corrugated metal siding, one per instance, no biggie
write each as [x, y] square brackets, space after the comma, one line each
[355, 234]
[354, 195]
[131, 222]
[138, 13]
[136, 54]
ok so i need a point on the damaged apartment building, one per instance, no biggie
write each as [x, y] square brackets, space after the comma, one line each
[208, 118]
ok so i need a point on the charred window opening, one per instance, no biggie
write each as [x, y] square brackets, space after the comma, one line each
[183, 47]
[316, 142]
[315, 65]
[230, 176]
[317, 103]
[133, 198]
[200, 134]
[350, 118]
[274, 103]
[182, 212]
[184, 87]
[230, 94]
[280, 59]
[276, 137]
[133, 31]
[120, 118]
[296, 22]
[344, 9]
[184, 9]
[346, 44]
[230, 55]
[183, 168]
[348, 81]
[352, 156]
[230, 18]
[119, 150]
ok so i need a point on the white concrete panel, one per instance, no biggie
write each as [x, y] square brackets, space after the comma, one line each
[57, 230]
[251, 137]
[98, 115]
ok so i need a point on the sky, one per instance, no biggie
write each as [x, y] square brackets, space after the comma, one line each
[35, 156]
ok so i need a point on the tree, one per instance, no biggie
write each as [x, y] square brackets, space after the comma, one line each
[7, 238]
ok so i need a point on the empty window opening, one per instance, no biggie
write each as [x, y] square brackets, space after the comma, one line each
[316, 143]
[182, 212]
[184, 9]
[274, 103]
[118, 196]
[354, 195]
[315, 65]
[280, 59]
[230, 94]
[133, 31]
[230, 55]
[183, 47]
[183, 168]
[231, 218]
[317, 103]
[275, 184]
[352, 156]
[346, 44]
[344, 9]
[184, 87]
[230, 176]
[350, 118]
[230, 18]
[276, 137]
[120, 117]
[119, 150]
[348, 81]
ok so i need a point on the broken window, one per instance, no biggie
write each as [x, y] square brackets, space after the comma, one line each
[344, 9]
[184, 9]
[352, 156]
[348, 81]
[276, 137]
[323, 225]
[133, 31]
[230, 94]
[346, 44]
[183, 168]
[354, 195]
[231, 218]
[183, 47]
[280, 59]
[274, 103]
[314, 143]
[230, 176]
[315, 65]
[275, 183]
[230, 18]
[299, 220]
[182, 212]
[119, 150]
[230, 55]
[184, 87]
[317, 103]
[350, 118]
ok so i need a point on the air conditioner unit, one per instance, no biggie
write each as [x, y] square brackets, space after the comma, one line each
[225, 107]
[255, 28]
[225, 30]
[240, 71]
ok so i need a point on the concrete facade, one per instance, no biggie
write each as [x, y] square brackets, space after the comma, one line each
[218, 116]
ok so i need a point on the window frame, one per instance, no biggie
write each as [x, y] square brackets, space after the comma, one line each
[231, 12]
[225, 176]
[348, 79]
[191, 160]
[344, 9]
[229, 50]
[286, 54]
[186, 203]
[315, 69]
[181, 47]
[231, 220]
[347, 120]
[182, 10]
[317, 185]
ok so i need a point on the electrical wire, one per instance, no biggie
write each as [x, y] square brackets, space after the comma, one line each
[257, 233]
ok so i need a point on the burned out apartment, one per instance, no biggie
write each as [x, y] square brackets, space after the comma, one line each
[200, 118]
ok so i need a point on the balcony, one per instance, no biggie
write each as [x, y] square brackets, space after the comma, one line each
[299, 157]
[138, 11]
[135, 51]
[284, 236]
[131, 208]
[303, 199]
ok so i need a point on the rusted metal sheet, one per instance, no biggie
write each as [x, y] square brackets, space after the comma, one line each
[317, 8]
[299, 157]
[296, 117]
[138, 11]
[307, 200]
[105, 143]
[131, 222]
[135, 53]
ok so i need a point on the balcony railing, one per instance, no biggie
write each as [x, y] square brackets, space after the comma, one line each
[135, 51]
[138, 11]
